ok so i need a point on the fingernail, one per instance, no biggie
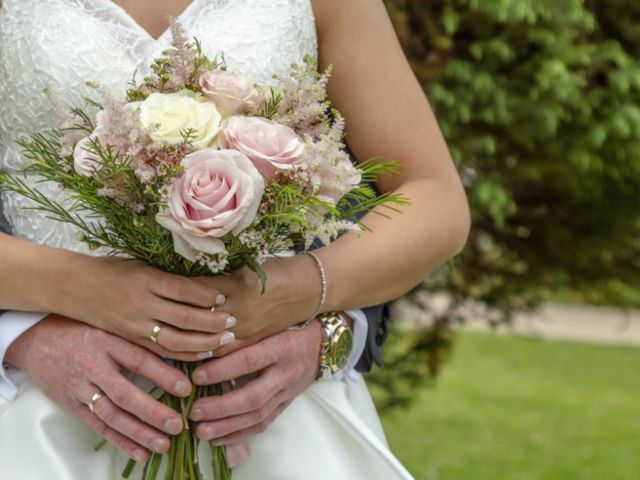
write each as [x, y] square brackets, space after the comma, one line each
[227, 337]
[203, 355]
[182, 388]
[158, 445]
[139, 455]
[217, 443]
[173, 426]
[200, 377]
[231, 322]
[207, 432]
[197, 414]
[220, 299]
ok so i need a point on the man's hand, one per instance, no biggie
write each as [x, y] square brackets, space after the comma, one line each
[286, 365]
[70, 361]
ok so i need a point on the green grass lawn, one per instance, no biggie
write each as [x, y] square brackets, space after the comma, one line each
[510, 408]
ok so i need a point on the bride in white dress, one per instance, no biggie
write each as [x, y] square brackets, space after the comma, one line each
[332, 430]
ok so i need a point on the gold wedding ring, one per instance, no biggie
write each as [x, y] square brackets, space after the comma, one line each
[155, 331]
[92, 403]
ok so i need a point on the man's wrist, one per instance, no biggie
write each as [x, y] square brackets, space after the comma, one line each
[337, 344]
[18, 351]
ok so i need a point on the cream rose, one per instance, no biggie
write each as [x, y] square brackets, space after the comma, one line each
[85, 162]
[219, 192]
[270, 146]
[173, 113]
[231, 93]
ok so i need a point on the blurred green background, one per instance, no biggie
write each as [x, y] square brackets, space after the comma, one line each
[540, 103]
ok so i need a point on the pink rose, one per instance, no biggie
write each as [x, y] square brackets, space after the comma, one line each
[85, 161]
[230, 92]
[219, 192]
[270, 146]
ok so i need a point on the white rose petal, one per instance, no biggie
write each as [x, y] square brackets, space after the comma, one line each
[173, 113]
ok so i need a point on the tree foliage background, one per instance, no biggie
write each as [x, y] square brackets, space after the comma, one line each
[540, 103]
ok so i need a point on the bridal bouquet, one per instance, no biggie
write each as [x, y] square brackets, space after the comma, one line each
[200, 172]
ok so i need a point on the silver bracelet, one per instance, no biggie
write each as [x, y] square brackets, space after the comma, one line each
[323, 297]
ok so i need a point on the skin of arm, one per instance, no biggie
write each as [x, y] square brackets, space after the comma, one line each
[122, 297]
[387, 116]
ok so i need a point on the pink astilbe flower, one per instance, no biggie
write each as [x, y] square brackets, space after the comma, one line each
[68, 119]
[330, 174]
[119, 125]
[181, 60]
[304, 103]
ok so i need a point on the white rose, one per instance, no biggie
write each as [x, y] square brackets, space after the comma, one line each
[173, 113]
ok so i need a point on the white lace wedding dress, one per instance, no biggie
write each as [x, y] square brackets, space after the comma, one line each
[332, 431]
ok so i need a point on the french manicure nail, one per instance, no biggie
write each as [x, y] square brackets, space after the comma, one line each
[220, 299]
[231, 322]
[200, 377]
[139, 455]
[173, 426]
[182, 387]
[227, 337]
[204, 355]
[158, 445]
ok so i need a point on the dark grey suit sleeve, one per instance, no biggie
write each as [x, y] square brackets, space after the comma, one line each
[377, 317]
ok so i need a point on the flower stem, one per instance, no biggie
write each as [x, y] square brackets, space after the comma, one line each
[171, 460]
[154, 466]
[100, 444]
[128, 468]
[180, 459]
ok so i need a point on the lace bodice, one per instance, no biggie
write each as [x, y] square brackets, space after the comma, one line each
[60, 44]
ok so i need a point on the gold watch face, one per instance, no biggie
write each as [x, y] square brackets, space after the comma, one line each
[340, 350]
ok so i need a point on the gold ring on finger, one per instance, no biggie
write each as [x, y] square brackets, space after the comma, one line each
[92, 403]
[155, 331]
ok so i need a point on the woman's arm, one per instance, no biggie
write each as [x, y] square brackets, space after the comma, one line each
[126, 298]
[387, 115]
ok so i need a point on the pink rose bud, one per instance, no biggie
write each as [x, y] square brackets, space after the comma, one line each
[219, 192]
[231, 93]
[270, 146]
[85, 161]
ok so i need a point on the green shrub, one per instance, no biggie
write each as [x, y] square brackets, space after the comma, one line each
[540, 103]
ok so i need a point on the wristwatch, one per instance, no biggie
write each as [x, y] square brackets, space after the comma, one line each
[337, 342]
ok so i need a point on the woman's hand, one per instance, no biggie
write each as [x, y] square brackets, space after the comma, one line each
[292, 295]
[129, 298]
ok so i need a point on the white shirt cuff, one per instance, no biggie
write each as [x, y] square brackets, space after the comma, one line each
[360, 332]
[12, 325]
